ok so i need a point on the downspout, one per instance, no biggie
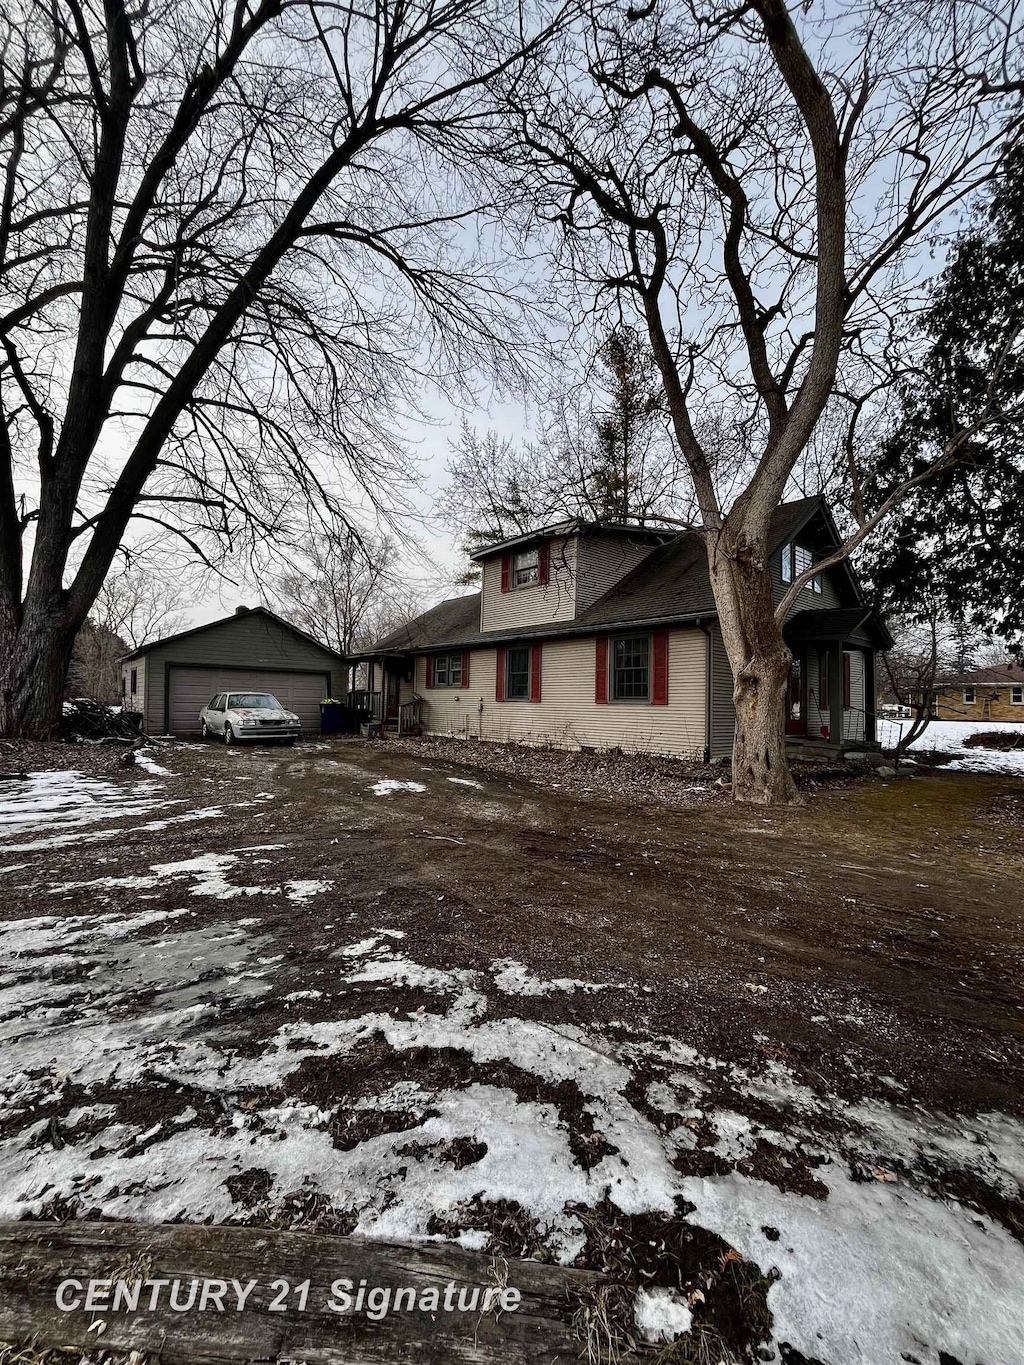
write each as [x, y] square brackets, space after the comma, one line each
[702, 625]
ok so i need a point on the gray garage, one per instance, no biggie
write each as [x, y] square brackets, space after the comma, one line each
[170, 680]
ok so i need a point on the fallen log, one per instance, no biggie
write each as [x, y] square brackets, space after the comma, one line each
[172, 1294]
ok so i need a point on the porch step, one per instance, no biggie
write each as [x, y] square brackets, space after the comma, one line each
[799, 747]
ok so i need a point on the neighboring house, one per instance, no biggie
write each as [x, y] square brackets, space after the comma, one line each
[993, 693]
[605, 636]
[170, 680]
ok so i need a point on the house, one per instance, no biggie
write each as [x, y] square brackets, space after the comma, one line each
[992, 693]
[170, 680]
[602, 635]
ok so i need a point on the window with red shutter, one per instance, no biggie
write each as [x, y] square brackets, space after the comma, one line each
[601, 669]
[499, 678]
[506, 568]
[430, 671]
[544, 562]
[465, 669]
[659, 690]
[536, 656]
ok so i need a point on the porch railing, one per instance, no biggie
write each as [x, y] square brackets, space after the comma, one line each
[368, 702]
[409, 717]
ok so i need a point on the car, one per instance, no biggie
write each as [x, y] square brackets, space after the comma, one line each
[240, 716]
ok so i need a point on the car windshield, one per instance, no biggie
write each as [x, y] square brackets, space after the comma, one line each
[256, 700]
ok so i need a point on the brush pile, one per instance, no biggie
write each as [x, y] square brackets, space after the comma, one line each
[90, 722]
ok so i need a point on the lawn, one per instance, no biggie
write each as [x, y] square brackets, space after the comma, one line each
[764, 1066]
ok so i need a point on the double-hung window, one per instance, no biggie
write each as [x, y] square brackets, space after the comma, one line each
[1017, 694]
[517, 674]
[525, 568]
[797, 559]
[969, 696]
[447, 670]
[631, 668]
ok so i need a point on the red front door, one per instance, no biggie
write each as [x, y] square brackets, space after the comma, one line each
[795, 723]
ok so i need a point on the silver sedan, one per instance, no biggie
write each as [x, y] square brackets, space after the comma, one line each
[239, 716]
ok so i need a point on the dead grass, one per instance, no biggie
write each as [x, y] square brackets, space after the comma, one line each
[22, 1353]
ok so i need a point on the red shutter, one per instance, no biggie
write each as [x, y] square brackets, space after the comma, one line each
[506, 570]
[601, 669]
[536, 655]
[430, 670]
[847, 694]
[499, 681]
[544, 562]
[659, 690]
[465, 669]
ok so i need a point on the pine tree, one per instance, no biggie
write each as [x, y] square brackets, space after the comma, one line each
[959, 539]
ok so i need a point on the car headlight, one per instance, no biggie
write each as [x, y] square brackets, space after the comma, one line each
[248, 722]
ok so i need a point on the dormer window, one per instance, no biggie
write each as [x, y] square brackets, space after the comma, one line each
[525, 568]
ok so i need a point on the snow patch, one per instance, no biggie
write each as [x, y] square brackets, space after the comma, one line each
[387, 786]
[877, 1272]
[661, 1315]
[947, 737]
[71, 799]
[302, 891]
[151, 765]
[513, 978]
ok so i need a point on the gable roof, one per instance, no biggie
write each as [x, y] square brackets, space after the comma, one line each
[669, 586]
[223, 621]
[577, 526]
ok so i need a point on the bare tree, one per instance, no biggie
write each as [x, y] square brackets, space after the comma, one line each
[139, 605]
[346, 591]
[929, 654]
[232, 247]
[95, 669]
[752, 180]
[602, 452]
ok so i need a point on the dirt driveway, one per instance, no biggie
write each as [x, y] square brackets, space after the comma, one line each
[353, 987]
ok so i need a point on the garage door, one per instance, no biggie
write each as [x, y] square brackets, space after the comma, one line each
[192, 688]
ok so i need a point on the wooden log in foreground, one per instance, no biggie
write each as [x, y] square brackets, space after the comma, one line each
[286, 1314]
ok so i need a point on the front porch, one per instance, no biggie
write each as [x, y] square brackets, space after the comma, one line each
[387, 704]
[831, 701]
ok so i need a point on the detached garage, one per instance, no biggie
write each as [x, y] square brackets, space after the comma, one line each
[170, 680]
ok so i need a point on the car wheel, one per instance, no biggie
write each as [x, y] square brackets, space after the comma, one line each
[229, 735]
[204, 730]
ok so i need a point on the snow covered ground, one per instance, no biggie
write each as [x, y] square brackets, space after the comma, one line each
[156, 1065]
[117, 1006]
[947, 737]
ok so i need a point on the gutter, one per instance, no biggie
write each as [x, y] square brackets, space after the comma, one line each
[539, 633]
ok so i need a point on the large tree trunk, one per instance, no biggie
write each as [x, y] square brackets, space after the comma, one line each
[34, 659]
[760, 662]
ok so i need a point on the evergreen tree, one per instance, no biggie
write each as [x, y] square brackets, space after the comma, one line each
[959, 538]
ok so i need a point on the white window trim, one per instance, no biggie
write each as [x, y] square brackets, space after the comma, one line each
[531, 566]
[447, 682]
[630, 701]
[971, 700]
[1018, 699]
